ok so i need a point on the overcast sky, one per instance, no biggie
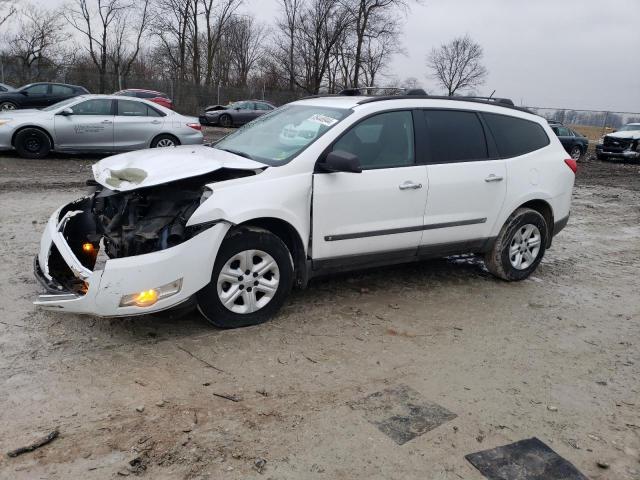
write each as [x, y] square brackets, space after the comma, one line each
[580, 54]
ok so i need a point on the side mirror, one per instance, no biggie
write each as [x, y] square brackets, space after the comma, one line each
[340, 161]
[24, 92]
[66, 112]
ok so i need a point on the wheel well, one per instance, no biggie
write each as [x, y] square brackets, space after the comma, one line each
[13, 138]
[544, 209]
[289, 235]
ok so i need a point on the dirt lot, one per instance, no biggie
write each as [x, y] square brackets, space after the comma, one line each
[555, 357]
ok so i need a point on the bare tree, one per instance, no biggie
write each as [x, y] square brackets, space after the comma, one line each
[36, 42]
[373, 19]
[322, 24]
[126, 45]
[216, 16]
[288, 25]
[456, 65]
[246, 42]
[97, 26]
[7, 9]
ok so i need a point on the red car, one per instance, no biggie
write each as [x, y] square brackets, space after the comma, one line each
[151, 95]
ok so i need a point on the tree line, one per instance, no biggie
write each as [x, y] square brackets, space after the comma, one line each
[312, 46]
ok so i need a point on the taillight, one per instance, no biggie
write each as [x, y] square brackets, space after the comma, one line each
[195, 126]
[572, 164]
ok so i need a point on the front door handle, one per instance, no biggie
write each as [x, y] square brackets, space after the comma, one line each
[107, 121]
[156, 122]
[493, 178]
[409, 185]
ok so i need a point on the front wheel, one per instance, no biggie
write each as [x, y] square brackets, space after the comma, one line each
[520, 246]
[252, 276]
[6, 106]
[32, 143]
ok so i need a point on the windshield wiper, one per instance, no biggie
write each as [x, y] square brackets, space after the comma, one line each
[236, 152]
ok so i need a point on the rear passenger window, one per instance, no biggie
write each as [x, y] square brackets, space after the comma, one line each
[515, 136]
[455, 136]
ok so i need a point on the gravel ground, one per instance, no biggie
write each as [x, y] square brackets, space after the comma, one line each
[554, 357]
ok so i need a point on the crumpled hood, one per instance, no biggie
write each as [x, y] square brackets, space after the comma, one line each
[629, 134]
[155, 166]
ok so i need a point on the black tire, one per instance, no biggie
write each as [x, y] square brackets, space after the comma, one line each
[166, 138]
[225, 121]
[497, 259]
[7, 106]
[209, 303]
[32, 143]
[576, 152]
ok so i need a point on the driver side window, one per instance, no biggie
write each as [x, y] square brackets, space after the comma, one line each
[40, 89]
[98, 106]
[382, 141]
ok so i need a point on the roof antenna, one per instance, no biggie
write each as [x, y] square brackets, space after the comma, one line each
[492, 93]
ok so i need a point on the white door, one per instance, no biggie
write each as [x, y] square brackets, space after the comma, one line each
[466, 187]
[89, 127]
[136, 124]
[379, 210]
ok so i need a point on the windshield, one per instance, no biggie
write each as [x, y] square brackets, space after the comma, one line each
[277, 137]
[630, 128]
[60, 104]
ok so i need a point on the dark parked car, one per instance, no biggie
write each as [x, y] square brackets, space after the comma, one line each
[575, 144]
[151, 95]
[237, 113]
[6, 88]
[38, 95]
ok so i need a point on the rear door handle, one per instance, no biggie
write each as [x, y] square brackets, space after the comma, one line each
[493, 178]
[107, 121]
[409, 185]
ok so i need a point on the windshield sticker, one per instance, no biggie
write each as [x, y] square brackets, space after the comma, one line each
[323, 120]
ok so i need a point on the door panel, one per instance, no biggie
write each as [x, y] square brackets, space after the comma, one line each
[368, 212]
[134, 128]
[89, 128]
[466, 188]
[464, 201]
[380, 209]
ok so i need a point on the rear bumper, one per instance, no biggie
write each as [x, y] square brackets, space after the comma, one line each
[191, 261]
[195, 138]
[559, 225]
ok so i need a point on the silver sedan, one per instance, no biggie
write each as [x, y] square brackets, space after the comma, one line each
[96, 123]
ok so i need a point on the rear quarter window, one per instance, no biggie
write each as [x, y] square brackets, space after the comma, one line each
[515, 136]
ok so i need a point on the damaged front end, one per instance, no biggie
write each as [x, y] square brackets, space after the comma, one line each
[112, 245]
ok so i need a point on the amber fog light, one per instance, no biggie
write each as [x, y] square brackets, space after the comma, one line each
[150, 297]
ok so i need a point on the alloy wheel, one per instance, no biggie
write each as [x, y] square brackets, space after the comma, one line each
[7, 106]
[525, 247]
[576, 153]
[248, 281]
[165, 142]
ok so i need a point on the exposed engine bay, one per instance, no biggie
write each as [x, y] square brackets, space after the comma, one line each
[133, 222]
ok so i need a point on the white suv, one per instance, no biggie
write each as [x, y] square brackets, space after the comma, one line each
[320, 185]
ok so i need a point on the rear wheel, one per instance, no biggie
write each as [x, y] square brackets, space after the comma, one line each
[520, 246]
[576, 153]
[32, 143]
[251, 278]
[162, 141]
[226, 121]
[5, 106]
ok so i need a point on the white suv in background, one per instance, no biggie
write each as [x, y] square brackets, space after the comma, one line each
[320, 185]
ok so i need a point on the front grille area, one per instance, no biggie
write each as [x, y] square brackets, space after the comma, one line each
[612, 144]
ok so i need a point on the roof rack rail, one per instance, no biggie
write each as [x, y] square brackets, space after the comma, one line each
[364, 91]
[493, 101]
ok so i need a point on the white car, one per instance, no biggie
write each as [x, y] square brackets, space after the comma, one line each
[96, 123]
[624, 143]
[234, 227]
